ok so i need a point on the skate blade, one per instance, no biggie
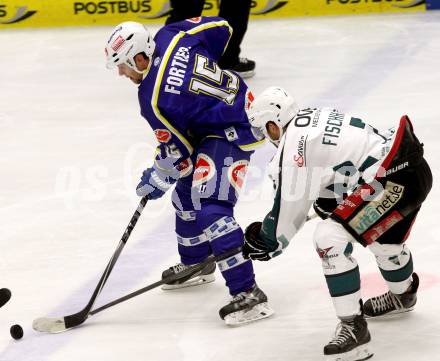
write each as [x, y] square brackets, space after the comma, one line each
[246, 74]
[360, 353]
[258, 312]
[390, 314]
[196, 281]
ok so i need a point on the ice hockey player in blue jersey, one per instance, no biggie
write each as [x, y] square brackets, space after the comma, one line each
[205, 142]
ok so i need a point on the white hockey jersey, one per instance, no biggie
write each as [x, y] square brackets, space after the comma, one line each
[324, 153]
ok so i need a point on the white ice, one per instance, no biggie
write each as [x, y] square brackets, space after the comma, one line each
[73, 145]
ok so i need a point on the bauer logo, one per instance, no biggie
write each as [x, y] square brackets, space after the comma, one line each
[20, 13]
[111, 7]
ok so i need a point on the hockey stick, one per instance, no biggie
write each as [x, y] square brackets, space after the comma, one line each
[311, 216]
[60, 324]
[190, 270]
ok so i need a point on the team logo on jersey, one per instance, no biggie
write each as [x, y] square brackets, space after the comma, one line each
[163, 135]
[204, 171]
[185, 168]
[323, 252]
[195, 20]
[237, 173]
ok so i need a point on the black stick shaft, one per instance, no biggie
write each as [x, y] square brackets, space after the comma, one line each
[79, 317]
[171, 278]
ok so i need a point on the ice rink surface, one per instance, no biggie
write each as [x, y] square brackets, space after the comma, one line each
[72, 148]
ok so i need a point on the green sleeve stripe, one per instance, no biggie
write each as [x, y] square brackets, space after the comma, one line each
[269, 228]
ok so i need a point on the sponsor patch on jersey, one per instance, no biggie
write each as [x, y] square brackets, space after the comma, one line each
[185, 168]
[118, 43]
[353, 201]
[378, 230]
[204, 171]
[248, 99]
[375, 209]
[231, 134]
[195, 20]
[163, 135]
[237, 173]
[299, 160]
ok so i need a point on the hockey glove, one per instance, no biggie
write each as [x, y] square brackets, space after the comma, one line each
[254, 247]
[154, 183]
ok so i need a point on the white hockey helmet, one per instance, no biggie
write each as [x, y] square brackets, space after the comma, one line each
[126, 41]
[273, 105]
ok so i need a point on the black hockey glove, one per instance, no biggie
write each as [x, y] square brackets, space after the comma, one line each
[324, 207]
[254, 247]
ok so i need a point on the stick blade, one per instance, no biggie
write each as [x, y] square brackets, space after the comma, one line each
[49, 324]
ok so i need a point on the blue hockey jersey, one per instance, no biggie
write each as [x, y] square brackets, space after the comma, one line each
[186, 97]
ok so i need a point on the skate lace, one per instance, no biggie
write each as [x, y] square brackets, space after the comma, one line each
[243, 60]
[179, 267]
[344, 331]
[243, 296]
[385, 302]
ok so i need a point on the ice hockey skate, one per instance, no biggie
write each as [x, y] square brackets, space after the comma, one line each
[351, 341]
[246, 307]
[206, 275]
[245, 68]
[389, 304]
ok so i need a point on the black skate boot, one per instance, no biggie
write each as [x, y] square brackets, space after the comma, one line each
[390, 304]
[195, 278]
[246, 307]
[245, 68]
[350, 342]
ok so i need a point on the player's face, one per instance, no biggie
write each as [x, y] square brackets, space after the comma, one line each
[273, 131]
[134, 76]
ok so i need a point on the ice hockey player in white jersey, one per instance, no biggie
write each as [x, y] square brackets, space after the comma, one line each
[366, 185]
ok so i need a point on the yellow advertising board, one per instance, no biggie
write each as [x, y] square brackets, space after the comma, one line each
[42, 13]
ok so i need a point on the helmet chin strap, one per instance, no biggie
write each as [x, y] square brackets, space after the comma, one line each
[146, 71]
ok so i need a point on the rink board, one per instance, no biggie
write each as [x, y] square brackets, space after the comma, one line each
[44, 13]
